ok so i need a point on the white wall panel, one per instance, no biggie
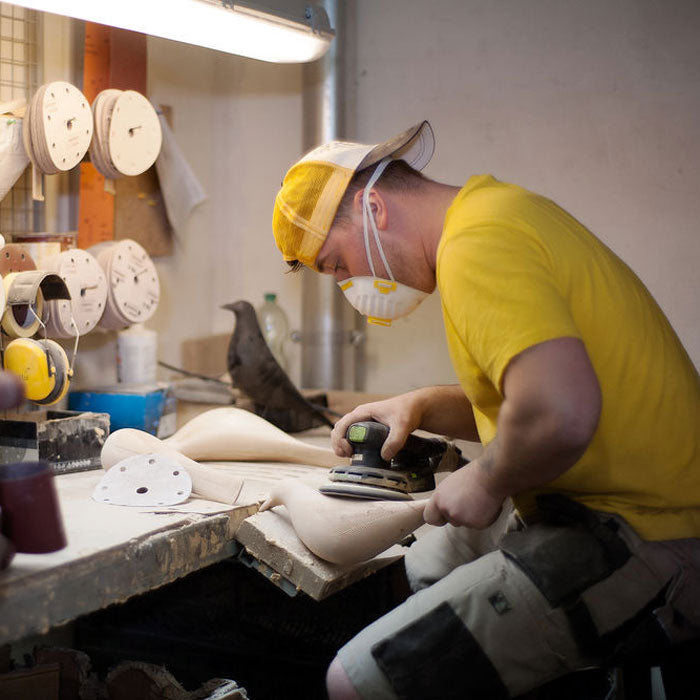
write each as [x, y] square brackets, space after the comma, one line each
[238, 121]
[594, 104]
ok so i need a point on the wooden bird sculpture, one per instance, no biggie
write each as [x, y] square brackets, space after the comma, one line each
[256, 372]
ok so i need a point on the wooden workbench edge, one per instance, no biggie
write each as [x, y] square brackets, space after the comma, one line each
[35, 604]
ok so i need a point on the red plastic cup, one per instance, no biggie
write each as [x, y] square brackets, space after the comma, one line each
[31, 516]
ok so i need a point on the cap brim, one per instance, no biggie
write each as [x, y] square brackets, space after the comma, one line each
[415, 146]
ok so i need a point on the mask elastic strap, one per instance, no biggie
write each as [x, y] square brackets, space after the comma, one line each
[365, 230]
[367, 215]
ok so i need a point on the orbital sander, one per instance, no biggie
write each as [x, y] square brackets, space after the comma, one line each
[411, 470]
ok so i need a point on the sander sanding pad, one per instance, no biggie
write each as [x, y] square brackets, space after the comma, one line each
[368, 493]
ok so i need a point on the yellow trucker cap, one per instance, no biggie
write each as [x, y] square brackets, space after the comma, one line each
[312, 189]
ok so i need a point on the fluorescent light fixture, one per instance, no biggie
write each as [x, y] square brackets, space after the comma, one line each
[215, 24]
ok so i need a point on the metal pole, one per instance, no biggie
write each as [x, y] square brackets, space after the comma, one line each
[331, 347]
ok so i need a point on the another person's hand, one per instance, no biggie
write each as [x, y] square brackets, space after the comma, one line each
[402, 414]
[462, 499]
[11, 391]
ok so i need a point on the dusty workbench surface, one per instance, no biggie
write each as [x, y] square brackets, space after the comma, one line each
[116, 552]
[113, 553]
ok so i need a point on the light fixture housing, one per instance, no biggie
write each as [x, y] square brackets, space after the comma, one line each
[246, 30]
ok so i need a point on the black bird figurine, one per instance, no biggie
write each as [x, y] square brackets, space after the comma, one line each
[256, 372]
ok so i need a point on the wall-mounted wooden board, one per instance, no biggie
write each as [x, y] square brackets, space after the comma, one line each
[95, 207]
[117, 58]
[139, 213]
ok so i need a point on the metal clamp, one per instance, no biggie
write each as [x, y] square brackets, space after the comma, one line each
[245, 557]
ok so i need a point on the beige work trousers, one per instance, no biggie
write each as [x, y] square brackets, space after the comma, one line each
[478, 626]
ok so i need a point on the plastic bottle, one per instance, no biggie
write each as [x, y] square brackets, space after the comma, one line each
[274, 326]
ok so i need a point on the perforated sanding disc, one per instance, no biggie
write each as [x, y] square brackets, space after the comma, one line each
[133, 287]
[87, 285]
[102, 108]
[14, 257]
[60, 127]
[134, 134]
[144, 480]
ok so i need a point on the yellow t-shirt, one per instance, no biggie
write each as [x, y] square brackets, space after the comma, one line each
[514, 270]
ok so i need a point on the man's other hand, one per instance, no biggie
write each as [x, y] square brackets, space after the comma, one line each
[461, 499]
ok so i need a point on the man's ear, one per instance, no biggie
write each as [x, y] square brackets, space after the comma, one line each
[357, 201]
[377, 204]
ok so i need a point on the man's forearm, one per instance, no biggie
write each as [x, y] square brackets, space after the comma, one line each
[528, 451]
[550, 411]
[447, 411]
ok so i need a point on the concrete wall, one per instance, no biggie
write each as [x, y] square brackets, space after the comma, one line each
[238, 121]
[594, 104]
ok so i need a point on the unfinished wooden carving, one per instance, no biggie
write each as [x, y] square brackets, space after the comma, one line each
[222, 434]
[234, 434]
[226, 434]
[206, 482]
[344, 530]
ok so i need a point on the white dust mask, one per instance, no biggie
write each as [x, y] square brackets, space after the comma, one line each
[379, 299]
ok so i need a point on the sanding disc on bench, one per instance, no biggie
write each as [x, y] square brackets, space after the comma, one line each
[144, 480]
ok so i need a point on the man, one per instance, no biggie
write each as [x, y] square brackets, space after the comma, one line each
[580, 391]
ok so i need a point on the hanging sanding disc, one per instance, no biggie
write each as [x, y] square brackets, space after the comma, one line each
[14, 257]
[57, 128]
[87, 285]
[133, 287]
[128, 136]
[102, 108]
[134, 134]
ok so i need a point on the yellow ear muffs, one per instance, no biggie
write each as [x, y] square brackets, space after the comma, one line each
[43, 367]
[30, 362]
[62, 371]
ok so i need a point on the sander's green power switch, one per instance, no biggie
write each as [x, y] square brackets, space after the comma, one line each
[357, 433]
[366, 439]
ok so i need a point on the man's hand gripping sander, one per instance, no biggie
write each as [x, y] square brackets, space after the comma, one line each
[411, 470]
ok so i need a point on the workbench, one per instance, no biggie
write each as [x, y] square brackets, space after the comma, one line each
[116, 552]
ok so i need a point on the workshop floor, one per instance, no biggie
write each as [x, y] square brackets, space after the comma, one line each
[228, 621]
